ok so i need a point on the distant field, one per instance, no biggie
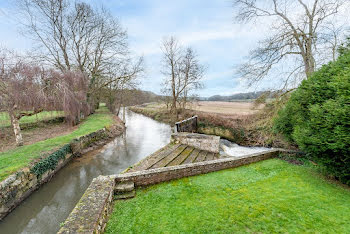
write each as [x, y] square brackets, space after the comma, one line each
[241, 108]
[45, 115]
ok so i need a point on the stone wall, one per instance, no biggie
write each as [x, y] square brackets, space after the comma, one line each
[90, 215]
[158, 175]
[200, 141]
[18, 186]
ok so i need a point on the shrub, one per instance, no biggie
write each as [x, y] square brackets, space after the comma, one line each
[317, 117]
[50, 162]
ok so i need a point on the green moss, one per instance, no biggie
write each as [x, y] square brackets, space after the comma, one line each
[271, 196]
[13, 160]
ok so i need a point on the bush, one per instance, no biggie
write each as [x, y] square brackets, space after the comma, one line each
[50, 162]
[317, 117]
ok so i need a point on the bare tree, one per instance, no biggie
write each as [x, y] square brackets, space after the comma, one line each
[27, 90]
[190, 75]
[74, 36]
[182, 70]
[295, 39]
[171, 59]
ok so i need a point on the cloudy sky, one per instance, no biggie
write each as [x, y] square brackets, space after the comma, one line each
[206, 25]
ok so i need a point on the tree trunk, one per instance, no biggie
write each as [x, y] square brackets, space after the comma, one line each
[124, 113]
[16, 129]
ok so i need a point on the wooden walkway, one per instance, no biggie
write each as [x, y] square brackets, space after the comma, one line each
[172, 155]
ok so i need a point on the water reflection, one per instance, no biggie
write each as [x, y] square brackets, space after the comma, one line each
[46, 208]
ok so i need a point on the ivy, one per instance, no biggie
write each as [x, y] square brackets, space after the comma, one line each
[50, 162]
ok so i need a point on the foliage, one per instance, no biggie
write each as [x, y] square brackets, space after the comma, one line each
[317, 117]
[12, 160]
[50, 162]
[271, 196]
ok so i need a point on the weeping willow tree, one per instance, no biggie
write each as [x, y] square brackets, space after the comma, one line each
[27, 90]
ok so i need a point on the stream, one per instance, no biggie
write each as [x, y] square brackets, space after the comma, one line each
[48, 207]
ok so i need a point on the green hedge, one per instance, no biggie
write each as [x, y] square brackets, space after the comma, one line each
[50, 162]
[317, 117]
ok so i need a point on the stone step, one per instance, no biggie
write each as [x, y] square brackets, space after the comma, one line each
[126, 195]
[124, 187]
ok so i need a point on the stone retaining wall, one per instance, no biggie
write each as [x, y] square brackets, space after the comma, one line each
[158, 175]
[91, 213]
[200, 141]
[18, 186]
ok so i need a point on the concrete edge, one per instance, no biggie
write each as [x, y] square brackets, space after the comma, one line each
[91, 213]
[158, 175]
[84, 219]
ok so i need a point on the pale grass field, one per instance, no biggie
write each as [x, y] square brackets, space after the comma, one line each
[241, 108]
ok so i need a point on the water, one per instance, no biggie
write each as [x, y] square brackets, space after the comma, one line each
[45, 209]
[234, 150]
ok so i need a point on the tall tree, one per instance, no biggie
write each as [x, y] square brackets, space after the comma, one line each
[171, 59]
[26, 90]
[299, 36]
[182, 70]
[73, 35]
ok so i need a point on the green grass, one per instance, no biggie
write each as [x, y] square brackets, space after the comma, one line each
[12, 160]
[45, 115]
[271, 196]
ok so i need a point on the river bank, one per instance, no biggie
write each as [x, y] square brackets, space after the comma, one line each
[241, 129]
[19, 185]
[46, 208]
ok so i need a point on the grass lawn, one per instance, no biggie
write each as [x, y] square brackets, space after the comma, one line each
[269, 196]
[12, 160]
[45, 115]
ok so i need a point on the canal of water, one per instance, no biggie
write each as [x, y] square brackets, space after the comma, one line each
[48, 207]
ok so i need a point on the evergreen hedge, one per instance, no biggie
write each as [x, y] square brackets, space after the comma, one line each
[317, 117]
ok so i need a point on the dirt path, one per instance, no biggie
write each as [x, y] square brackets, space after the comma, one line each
[30, 136]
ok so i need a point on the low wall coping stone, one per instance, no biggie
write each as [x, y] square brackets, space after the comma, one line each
[142, 178]
[87, 215]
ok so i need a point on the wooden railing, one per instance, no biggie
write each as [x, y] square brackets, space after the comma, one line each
[187, 125]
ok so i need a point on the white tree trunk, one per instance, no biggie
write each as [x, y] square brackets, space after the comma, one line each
[16, 130]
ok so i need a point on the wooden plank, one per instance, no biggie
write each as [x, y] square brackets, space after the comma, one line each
[192, 156]
[152, 159]
[210, 156]
[201, 156]
[179, 159]
[170, 157]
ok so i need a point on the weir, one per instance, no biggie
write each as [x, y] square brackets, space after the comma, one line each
[187, 154]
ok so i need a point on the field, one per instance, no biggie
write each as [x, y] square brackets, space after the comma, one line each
[242, 108]
[45, 115]
[271, 196]
[12, 160]
[229, 108]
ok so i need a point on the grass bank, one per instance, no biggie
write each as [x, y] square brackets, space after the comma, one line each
[45, 115]
[13, 160]
[269, 196]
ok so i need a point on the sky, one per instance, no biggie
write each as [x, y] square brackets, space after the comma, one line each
[206, 25]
